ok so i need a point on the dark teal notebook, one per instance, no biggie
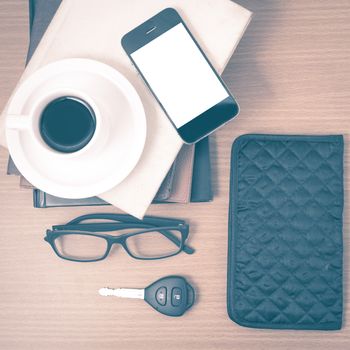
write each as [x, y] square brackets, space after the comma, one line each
[285, 247]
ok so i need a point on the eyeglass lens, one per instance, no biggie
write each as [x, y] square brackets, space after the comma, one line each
[81, 247]
[154, 244]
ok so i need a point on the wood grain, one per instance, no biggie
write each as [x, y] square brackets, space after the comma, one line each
[291, 74]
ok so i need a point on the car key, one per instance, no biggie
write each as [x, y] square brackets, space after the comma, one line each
[171, 295]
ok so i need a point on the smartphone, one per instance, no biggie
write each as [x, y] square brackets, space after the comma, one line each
[180, 76]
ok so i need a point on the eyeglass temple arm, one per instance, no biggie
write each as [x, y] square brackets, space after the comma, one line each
[187, 249]
[100, 226]
[151, 220]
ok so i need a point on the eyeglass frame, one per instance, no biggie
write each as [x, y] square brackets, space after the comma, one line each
[148, 224]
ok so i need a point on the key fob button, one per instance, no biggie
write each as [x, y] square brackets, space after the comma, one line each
[176, 296]
[161, 296]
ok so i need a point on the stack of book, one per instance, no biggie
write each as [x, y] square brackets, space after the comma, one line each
[189, 177]
[188, 180]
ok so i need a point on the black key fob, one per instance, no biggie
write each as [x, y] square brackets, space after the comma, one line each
[171, 295]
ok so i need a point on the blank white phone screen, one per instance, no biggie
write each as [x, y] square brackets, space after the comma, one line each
[179, 75]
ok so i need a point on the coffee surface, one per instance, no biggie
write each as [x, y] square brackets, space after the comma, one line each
[67, 124]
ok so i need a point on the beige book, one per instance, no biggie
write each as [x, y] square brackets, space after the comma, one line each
[93, 29]
[24, 183]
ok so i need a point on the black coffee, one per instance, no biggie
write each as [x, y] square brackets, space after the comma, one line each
[67, 124]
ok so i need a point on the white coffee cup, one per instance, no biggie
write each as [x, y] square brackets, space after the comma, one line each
[31, 122]
[114, 148]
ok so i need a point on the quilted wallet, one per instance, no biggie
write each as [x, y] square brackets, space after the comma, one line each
[285, 245]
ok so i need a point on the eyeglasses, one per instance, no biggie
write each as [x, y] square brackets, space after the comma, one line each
[148, 239]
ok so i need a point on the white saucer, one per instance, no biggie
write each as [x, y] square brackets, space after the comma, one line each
[120, 137]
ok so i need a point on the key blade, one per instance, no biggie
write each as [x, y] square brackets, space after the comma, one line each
[106, 292]
[122, 293]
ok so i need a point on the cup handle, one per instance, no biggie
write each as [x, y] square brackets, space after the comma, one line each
[18, 122]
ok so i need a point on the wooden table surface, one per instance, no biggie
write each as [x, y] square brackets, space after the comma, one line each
[291, 74]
